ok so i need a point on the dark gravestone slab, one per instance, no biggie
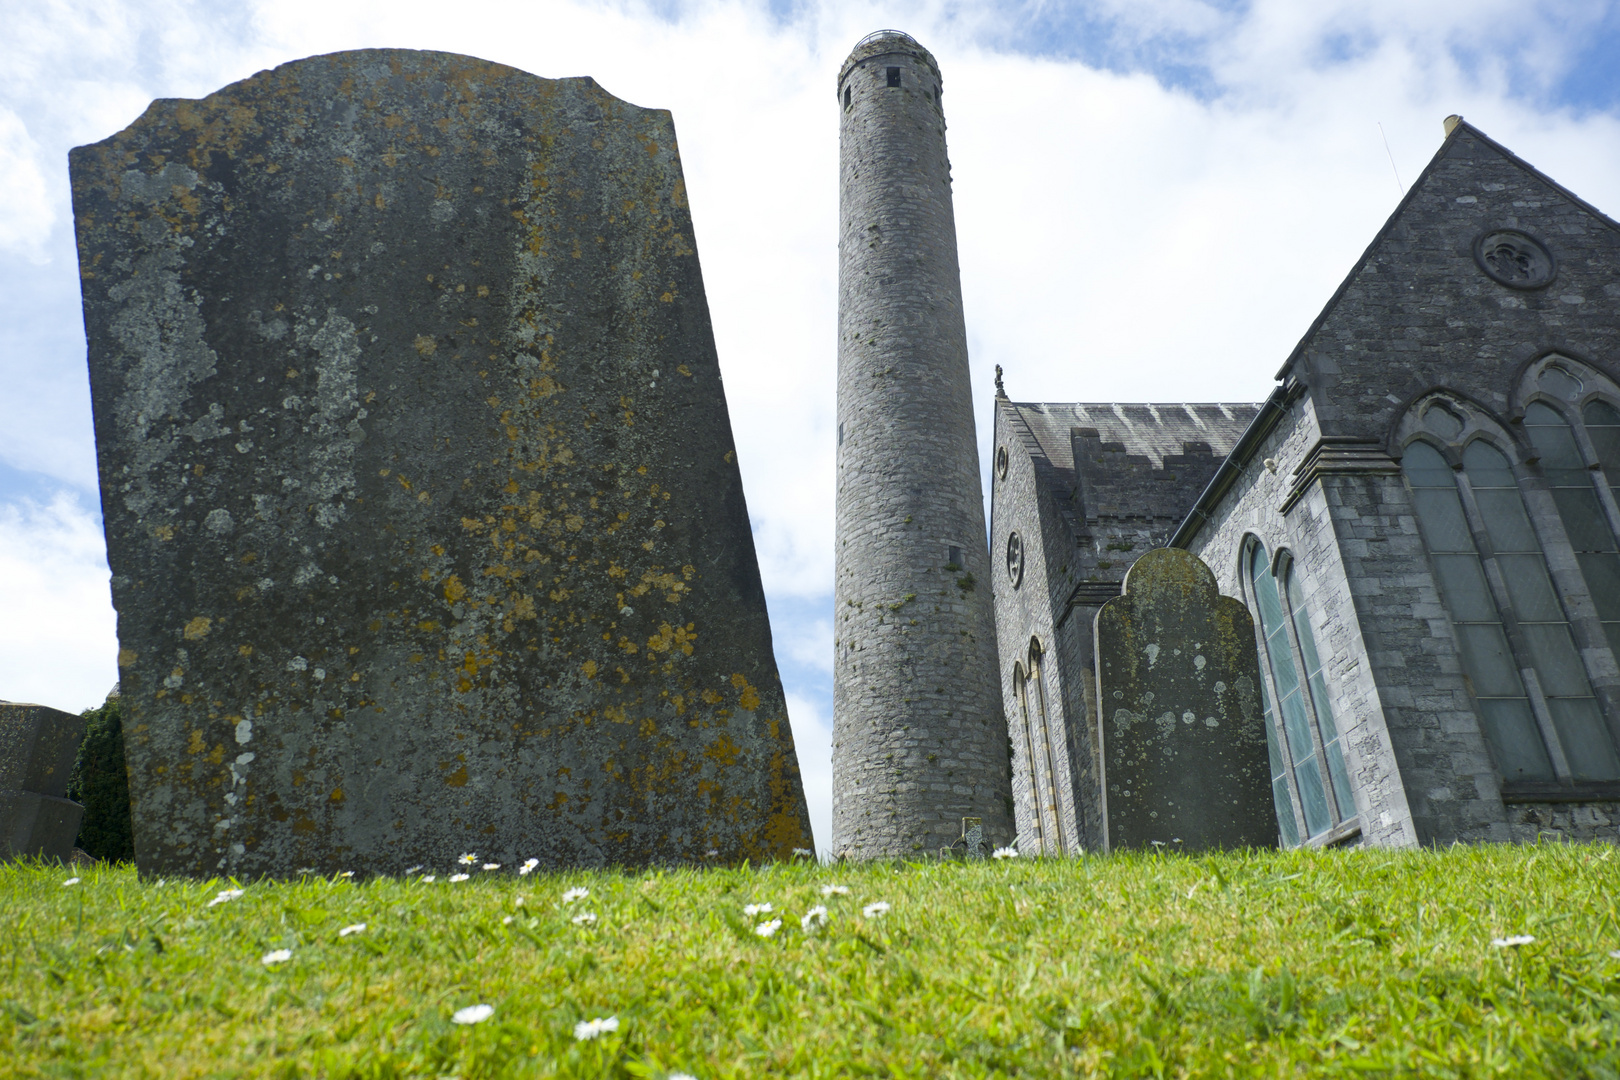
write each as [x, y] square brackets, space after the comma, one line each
[37, 747]
[425, 521]
[1182, 733]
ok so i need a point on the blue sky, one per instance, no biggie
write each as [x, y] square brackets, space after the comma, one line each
[1154, 198]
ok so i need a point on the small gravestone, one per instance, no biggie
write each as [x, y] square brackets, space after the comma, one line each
[423, 511]
[37, 747]
[1182, 732]
[973, 837]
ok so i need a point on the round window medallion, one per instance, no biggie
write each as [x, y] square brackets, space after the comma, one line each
[1015, 559]
[1515, 259]
[1001, 462]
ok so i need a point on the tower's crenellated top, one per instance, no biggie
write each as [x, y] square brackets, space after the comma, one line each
[887, 43]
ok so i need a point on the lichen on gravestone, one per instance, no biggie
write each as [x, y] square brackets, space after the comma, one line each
[1180, 724]
[423, 511]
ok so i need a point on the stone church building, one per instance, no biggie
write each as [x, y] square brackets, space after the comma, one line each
[1422, 519]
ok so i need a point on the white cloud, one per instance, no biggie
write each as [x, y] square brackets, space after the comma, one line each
[812, 741]
[27, 212]
[56, 618]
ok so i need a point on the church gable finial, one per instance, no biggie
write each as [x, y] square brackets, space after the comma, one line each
[1001, 391]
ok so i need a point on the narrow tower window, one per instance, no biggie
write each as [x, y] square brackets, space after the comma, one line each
[894, 76]
[846, 97]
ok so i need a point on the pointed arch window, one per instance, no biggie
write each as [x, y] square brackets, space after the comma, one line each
[1045, 809]
[1308, 770]
[1520, 652]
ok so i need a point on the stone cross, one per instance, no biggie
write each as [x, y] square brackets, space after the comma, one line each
[1181, 728]
[424, 515]
[37, 747]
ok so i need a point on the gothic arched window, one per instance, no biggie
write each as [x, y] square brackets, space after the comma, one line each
[1308, 769]
[1046, 811]
[1504, 705]
[1528, 569]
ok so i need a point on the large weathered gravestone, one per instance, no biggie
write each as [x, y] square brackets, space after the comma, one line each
[425, 522]
[1182, 733]
[37, 746]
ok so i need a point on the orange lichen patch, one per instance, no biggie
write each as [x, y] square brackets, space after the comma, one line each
[457, 778]
[196, 745]
[127, 657]
[198, 628]
[454, 590]
[589, 667]
[425, 346]
[723, 751]
[749, 696]
[244, 650]
[336, 796]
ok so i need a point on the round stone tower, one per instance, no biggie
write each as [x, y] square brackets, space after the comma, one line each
[919, 740]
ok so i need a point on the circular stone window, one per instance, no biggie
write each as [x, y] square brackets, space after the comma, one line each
[1515, 259]
[1001, 462]
[1015, 559]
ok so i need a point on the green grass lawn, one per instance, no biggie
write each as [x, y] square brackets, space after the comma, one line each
[1247, 964]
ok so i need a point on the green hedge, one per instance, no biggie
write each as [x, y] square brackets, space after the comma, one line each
[101, 785]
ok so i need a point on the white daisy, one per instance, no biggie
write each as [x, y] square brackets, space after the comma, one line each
[492, 866]
[803, 853]
[519, 901]
[584, 918]
[711, 853]
[681, 1076]
[468, 859]
[575, 894]
[1512, 942]
[473, 1014]
[458, 877]
[225, 896]
[1615, 955]
[528, 867]
[766, 929]
[590, 1029]
[278, 956]
[355, 929]
[876, 910]
[346, 873]
[430, 878]
[1004, 853]
[813, 919]
[71, 881]
[417, 869]
[757, 909]
[835, 890]
[507, 921]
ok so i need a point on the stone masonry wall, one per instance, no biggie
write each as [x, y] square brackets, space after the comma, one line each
[919, 741]
[1030, 611]
[1345, 598]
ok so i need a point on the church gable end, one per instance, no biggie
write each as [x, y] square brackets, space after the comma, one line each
[1486, 264]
